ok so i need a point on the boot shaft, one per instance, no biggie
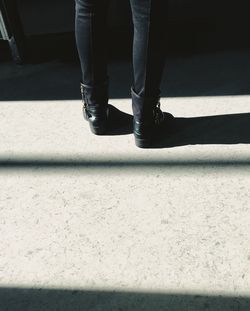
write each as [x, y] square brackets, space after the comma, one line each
[143, 107]
[95, 96]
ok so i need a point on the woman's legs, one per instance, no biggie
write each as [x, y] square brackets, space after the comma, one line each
[91, 39]
[150, 21]
[150, 24]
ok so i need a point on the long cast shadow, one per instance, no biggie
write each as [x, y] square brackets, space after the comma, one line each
[218, 129]
[39, 299]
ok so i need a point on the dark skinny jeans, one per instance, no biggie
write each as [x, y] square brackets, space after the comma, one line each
[150, 22]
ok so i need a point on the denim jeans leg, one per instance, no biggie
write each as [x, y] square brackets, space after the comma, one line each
[90, 35]
[150, 23]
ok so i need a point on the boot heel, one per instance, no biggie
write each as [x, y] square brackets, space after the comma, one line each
[100, 130]
[142, 142]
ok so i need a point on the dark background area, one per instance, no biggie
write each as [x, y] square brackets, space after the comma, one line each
[193, 26]
[208, 50]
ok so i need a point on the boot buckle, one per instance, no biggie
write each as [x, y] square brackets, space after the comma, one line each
[85, 112]
[85, 105]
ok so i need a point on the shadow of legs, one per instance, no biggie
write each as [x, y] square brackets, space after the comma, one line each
[221, 129]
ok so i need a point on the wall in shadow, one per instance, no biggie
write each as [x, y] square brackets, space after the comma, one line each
[45, 16]
[28, 299]
[193, 25]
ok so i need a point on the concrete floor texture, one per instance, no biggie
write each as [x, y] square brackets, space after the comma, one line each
[94, 223]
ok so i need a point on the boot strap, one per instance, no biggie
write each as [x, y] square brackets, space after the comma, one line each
[158, 115]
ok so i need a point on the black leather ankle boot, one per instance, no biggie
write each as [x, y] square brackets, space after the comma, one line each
[95, 106]
[149, 121]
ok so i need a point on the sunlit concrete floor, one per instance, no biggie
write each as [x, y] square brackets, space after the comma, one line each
[94, 223]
